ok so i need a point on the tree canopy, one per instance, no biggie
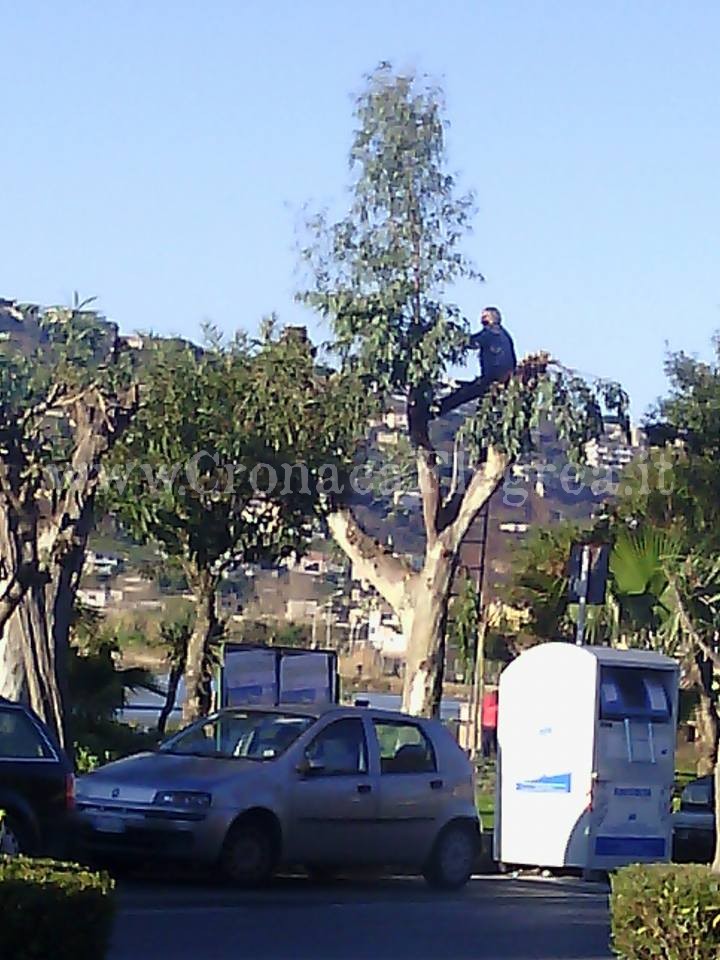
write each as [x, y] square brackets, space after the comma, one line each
[233, 453]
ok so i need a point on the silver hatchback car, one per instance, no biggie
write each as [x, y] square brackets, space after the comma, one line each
[252, 789]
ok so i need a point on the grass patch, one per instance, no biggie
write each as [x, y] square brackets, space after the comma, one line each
[486, 808]
[485, 795]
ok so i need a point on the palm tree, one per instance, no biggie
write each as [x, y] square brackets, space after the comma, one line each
[640, 585]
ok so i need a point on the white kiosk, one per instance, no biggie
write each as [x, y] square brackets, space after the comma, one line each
[586, 757]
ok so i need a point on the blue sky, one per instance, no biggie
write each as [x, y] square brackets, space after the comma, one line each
[156, 153]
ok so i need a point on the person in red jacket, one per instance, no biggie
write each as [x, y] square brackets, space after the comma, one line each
[488, 722]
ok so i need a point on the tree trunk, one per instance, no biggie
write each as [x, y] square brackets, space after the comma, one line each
[197, 681]
[708, 723]
[716, 862]
[422, 688]
[29, 632]
[176, 672]
[13, 685]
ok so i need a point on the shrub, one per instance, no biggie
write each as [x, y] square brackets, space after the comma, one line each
[53, 911]
[662, 911]
[101, 740]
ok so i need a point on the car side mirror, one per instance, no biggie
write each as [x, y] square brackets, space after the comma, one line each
[310, 766]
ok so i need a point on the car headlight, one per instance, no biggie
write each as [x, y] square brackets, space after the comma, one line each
[185, 799]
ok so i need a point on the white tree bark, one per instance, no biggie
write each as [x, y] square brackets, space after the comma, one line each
[420, 600]
[196, 704]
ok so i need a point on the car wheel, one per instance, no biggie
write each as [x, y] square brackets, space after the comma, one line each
[14, 839]
[248, 857]
[453, 858]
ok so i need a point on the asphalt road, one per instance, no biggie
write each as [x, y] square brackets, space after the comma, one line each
[497, 918]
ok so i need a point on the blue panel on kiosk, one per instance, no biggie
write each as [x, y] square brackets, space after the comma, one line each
[559, 783]
[630, 847]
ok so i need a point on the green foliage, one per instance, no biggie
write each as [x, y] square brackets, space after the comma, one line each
[509, 416]
[682, 485]
[99, 740]
[54, 910]
[672, 499]
[379, 274]
[174, 635]
[208, 419]
[641, 602]
[98, 688]
[463, 623]
[647, 601]
[86, 761]
[539, 581]
[274, 632]
[665, 911]
[55, 355]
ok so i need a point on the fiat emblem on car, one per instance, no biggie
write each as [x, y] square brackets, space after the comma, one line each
[116, 793]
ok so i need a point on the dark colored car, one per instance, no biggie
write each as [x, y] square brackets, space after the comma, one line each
[37, 787]
[694, 823]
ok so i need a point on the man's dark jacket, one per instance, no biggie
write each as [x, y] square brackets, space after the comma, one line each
[497, 352]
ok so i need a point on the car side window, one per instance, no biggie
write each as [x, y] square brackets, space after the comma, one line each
[697, 794]
[404, 748]
[340, 749]
[20, 739]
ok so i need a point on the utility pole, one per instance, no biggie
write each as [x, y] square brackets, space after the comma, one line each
[313, 642]
[478, 680]
[328, 625]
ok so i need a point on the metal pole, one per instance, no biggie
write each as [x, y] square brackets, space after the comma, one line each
[313, 642]
[583, 595]
[328, 625]
[478, 688]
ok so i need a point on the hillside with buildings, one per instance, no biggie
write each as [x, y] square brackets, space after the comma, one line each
[317, 599]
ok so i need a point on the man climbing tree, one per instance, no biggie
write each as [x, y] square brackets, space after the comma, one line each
[497, 361]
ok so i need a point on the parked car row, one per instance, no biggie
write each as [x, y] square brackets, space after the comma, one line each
[253, 789]
[36, 784]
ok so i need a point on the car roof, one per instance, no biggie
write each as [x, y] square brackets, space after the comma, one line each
[317, 710]
[708, 778]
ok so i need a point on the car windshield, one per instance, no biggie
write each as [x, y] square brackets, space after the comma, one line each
[249, 734]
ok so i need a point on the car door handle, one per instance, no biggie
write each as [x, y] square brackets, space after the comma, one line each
[436, 784]
[364, 788]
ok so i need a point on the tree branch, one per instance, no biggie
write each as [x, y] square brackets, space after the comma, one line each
[13, 593]
[429, 483]
[701, 644]
[456, 468]
[388, 574]
[457, 516]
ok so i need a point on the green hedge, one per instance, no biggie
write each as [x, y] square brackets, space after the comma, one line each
[53, 911]
[666, 912]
